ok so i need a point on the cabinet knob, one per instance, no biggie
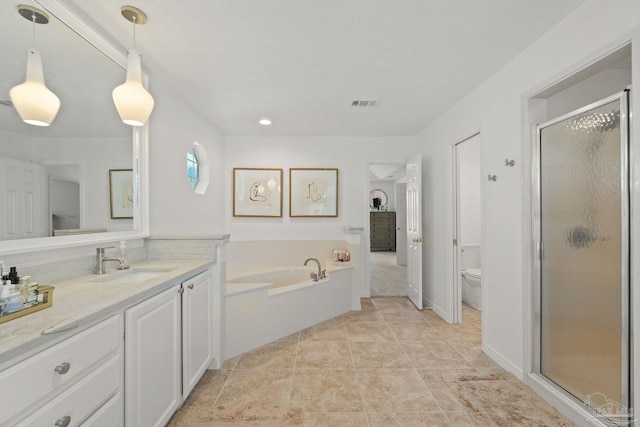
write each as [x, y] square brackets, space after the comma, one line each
[62, 369]
[190, 286]
[63, 422]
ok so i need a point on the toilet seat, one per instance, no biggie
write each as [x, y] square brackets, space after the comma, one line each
[475, 273]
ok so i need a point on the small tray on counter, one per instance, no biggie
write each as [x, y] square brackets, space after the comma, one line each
[45, 299]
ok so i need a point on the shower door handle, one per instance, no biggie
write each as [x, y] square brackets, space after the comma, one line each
[539, 249]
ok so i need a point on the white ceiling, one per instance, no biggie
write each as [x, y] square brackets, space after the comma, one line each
[301, 62]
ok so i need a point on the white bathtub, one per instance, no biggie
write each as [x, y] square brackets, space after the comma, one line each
[276, 282]
[264, 306]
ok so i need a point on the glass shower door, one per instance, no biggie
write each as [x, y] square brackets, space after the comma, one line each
[583, 265]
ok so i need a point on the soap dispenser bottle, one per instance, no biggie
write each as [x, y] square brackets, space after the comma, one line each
[123, 255]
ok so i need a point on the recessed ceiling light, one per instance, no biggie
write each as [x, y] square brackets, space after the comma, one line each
[264, 122]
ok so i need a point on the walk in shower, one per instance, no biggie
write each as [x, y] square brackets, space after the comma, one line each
[581, 223]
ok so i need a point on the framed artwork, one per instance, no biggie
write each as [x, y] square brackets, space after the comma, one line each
[257, 192]
[313, 192]
[121, 193]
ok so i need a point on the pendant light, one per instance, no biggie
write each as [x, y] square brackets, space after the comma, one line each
[133, 102]
[35, 103]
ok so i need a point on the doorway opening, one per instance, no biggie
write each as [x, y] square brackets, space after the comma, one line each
[467, 243]
[387, 229]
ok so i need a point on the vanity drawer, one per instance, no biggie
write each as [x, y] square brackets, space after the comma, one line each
[82, 399]
[36, 377]
[109, 415]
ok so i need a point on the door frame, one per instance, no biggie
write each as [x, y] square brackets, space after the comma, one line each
[365, 290]
[454, 285]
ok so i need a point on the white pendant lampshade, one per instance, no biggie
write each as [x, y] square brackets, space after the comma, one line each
[35, 103]
[133, 102]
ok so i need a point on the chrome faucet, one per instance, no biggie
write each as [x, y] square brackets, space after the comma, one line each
[100, 260]
[321, 274]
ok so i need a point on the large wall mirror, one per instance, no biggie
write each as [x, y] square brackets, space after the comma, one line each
[66, 164]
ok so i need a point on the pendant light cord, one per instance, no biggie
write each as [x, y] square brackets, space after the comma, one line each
[134, 31]
[33, 17]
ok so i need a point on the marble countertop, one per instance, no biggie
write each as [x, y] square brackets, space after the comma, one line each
[90, 298]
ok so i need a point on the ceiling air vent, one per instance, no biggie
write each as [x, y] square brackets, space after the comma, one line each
[364, 102]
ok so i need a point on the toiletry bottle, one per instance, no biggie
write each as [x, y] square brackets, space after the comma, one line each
[13, 276]
[11, 298]
[29, 291]
[123, 254]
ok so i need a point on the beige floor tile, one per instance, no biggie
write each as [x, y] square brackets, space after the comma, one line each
[445, 398]
[290, 338]
[434, 354]
[278, 355]
[402, 315]
[375, 355]
[431, 317]
[230, 363]
[410, 331]
[324, 355]
[395, 390]
[326, 391]
[368, 331]
[460, 419]
[363, 316]
[248, 415]
[366, 304]
[392, 303]
[416, 419]
[295, 381]
[330, 330]
[464, 334]
[258, 387]
[335, 419]
[208, 388]
[474, 355]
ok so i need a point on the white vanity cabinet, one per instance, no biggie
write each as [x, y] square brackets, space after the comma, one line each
[168, 340]
[197, 329]
[67, 383]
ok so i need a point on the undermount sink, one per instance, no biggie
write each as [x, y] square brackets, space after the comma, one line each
[134, 275]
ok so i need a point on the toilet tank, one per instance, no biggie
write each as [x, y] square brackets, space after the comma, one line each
[470, 256]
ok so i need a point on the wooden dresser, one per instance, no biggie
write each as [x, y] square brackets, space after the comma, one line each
[383, 231]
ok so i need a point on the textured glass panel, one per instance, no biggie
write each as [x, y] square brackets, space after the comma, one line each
[580, 188]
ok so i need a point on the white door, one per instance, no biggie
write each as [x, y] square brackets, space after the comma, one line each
[22, 199]
[414, 230]
[197, 329]
[401, 224]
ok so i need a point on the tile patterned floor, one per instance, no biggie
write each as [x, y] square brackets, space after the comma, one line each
[387, 277]
[383, 366]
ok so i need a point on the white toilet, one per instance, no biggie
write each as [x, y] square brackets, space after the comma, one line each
[471, 275]
[471, 281]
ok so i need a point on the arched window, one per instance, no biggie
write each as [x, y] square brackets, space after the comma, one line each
[198, 168]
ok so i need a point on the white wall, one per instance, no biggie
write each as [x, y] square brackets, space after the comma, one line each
[350, 155]
[174, 207]
[495, 109]
[470, 190]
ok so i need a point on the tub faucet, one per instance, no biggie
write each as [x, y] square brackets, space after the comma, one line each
[321, 274]
[100, 260]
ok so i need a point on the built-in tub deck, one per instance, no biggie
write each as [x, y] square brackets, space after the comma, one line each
[266, 305]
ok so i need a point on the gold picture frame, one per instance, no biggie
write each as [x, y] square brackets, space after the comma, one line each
[257, 192]
[121, 193]
[313, 192]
